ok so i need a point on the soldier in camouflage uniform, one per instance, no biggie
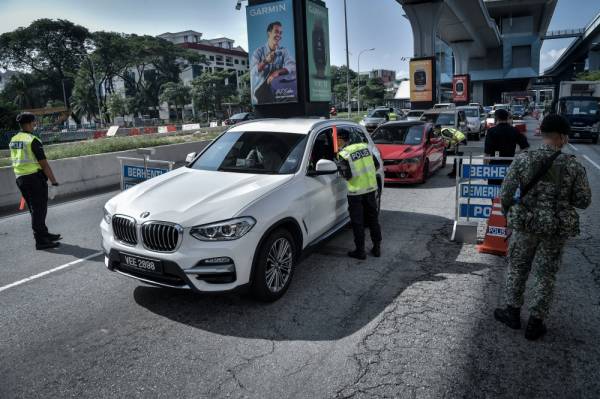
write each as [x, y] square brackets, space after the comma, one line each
[542, 221]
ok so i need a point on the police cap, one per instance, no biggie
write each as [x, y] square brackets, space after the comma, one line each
[555, 123]
[501, 114]
[25, 117]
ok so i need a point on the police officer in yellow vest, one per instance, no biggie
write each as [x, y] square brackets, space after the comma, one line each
[32, 171]
[453, 137]
[359, 167]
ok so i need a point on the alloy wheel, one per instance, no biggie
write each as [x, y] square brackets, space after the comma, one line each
[279, 264]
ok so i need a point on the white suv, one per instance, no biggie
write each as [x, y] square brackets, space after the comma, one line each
[239, 214]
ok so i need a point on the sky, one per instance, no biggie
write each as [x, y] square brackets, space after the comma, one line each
[371, 23]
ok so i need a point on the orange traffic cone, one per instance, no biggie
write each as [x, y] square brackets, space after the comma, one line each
[22, 204]
[496, 235]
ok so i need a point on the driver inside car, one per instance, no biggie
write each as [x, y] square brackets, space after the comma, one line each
[265, 156]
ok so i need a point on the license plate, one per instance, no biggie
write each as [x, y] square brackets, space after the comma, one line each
[142, 264]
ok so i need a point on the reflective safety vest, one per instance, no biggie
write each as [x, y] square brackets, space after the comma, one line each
[457, 135]
[23, 159]
[364, 174]
[392, 116]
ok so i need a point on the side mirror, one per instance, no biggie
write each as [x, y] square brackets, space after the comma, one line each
[325, 167]
[190, 157]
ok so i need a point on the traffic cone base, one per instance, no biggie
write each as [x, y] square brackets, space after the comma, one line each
[22, 204]
[495, 242]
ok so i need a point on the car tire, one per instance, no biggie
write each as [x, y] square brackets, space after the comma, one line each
[425, 171]
[278, 249]
[595, 140]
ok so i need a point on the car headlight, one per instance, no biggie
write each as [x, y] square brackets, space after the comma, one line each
[107, 216]
[362, 123]
[223, 231]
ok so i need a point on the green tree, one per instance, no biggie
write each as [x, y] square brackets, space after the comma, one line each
[211, 89]
[8, 115]
[372, 93]
[20, 90]
[84, 101]
[590, 75]
[245, 95]
[176, 94]
[117, 105]
[53, 49]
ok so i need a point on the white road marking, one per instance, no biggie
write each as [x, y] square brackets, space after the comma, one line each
[592, 162]
[34, 277]
[572, 146]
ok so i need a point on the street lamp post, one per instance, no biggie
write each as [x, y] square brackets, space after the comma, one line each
[358, 91]
[347, 59]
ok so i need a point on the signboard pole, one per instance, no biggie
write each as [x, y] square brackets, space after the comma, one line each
[469, 184]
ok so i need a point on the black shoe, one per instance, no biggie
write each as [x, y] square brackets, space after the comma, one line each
[46, 245]
[357, 254]
[376, 250]
[53, 237]
[535, 329]
[509, 316]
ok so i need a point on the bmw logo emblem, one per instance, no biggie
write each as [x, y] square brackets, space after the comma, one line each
[144, 215]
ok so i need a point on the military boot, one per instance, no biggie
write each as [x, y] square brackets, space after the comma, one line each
[358, 254]
[535, 328]
[376, 250]
[509, 316]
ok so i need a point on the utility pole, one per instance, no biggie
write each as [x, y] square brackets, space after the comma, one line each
[347, 59]
[358, 93]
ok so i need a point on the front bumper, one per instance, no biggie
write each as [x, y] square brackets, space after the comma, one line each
[582, 134]
[403, 173]
[185, 268]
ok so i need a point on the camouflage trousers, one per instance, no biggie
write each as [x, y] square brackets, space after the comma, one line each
[540, 255]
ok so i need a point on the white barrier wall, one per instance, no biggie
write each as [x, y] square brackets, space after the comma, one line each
[91, 172]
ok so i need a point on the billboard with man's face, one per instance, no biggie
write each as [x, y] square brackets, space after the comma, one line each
[272, 53]
[317, 34]
[421, 80]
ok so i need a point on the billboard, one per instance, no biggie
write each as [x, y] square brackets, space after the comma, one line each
[422, 79]
[460, 88]
[317, 35]
[272, 51]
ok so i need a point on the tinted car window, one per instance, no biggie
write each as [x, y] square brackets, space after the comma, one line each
[410, 135]
[445, 119]
[378, 113]
[239, 116]
[254, 152]
[472, 112]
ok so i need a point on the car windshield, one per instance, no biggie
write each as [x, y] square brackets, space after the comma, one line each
[238, 116]
[472, 112]
[410, 135]
[517, 108]
[377, 113]
[439, 119]
[414, 113]
[581, 107]
[254, 152]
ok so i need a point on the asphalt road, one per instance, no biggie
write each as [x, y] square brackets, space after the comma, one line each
[416, 323]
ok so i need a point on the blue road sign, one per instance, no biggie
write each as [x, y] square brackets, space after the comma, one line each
[137, 172]
[484, 171]
[475, 211]
[479, 191]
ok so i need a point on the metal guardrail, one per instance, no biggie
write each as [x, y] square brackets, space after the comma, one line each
[563, 33]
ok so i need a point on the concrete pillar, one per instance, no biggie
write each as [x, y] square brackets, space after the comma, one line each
[477, 94]
[424, 18]
[462, 54]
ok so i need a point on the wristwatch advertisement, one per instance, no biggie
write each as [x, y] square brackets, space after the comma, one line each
[422, 79]
[317, 35]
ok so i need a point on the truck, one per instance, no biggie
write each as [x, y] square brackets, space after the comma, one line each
[579, 102]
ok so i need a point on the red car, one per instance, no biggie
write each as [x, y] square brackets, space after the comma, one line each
[411, 151]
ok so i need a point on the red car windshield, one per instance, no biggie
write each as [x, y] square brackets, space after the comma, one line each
[402, 135]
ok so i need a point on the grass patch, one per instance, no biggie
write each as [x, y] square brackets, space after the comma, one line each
[114, 144]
